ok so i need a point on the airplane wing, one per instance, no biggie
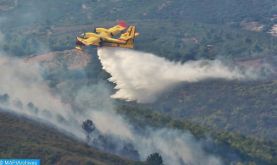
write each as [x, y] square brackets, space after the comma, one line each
[113, 40]
[118, 28]
[90, 40]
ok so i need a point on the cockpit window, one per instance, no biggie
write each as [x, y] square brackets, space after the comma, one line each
[83, 35]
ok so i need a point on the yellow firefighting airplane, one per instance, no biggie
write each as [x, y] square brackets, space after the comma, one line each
[104, 37]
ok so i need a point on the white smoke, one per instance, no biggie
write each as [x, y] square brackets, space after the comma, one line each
[94, 102]
[24, 85]
[176, 147]
[143, 76]
[30, 95]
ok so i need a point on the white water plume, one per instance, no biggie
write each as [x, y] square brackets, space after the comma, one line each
[143, 76]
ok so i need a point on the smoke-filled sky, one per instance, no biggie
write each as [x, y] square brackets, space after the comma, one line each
[143, 76]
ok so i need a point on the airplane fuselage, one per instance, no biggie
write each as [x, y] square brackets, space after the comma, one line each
[104, 37]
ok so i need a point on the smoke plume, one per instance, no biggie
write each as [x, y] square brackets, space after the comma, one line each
[29, 94]
[176, 147]
[143, 76]
[24, 91]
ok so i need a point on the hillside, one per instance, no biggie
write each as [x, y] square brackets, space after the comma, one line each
[248, 108]
[178, 30]
[22, 138]
[213, 11]
[233, 147]
[235, 118]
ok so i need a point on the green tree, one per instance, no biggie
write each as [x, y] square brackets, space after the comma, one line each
[154, 159]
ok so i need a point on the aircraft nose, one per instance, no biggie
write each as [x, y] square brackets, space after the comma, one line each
[79, 43]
